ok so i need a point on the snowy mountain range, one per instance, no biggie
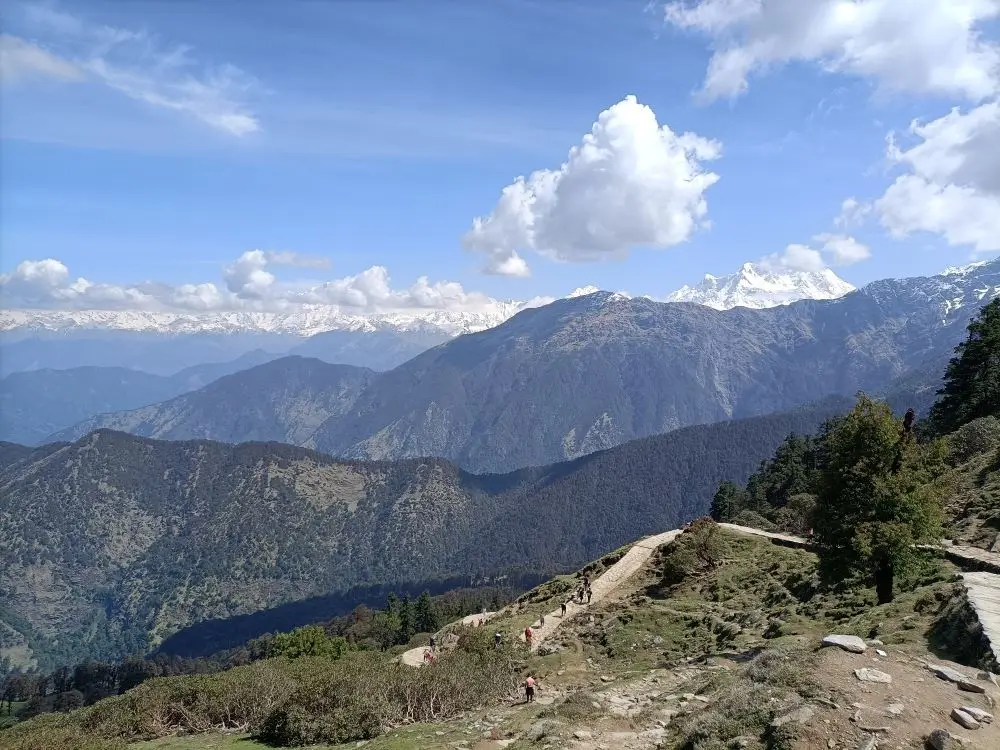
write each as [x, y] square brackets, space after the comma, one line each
[304, 322]
[759, 287]
[751, 286]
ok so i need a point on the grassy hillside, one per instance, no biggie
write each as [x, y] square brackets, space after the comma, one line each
[680, 656]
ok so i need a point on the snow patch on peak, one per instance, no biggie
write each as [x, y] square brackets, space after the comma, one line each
[963, 270]
[758, 286]
[583, 291]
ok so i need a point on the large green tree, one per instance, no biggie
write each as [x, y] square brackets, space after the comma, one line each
[972, 380]
[876, 498]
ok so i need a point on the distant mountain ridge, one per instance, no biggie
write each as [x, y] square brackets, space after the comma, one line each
[759, 287]
[283, 401]
[114, 541]
[592, 371]
[37, 403]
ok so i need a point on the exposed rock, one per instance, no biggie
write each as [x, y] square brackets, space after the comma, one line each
[547, 649]
[868, 743]
[582, 734]
[542, 728]
[942, 739]
[978, 714]
[961, 717]
[895, 709]
[970, 687]
[800, 715]
[847, 642]
[866, 674]
[881, 653]
[989, 677]
[947, 673]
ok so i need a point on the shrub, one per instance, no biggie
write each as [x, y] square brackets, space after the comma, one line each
[54, 732]
[239, 699]
[698, 549]
[363, 694]
[978, 436]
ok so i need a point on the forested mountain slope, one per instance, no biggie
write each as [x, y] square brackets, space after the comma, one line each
[115, 539]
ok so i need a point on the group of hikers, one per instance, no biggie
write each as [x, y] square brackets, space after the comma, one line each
[582, 592]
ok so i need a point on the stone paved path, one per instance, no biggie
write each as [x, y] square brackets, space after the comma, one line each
[984, 595]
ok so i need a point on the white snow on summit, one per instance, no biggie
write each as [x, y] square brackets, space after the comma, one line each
[759, 287]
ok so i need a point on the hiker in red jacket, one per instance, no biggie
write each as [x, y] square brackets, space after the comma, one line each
[528, 635]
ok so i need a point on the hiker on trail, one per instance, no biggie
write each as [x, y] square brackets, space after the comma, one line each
[586, 581]
[563, 609]
[590, 593]
[433, 643]
[529, 689]
[497, 637]
[528, 635]
[541, 621]
[579, 594]
[428, 657]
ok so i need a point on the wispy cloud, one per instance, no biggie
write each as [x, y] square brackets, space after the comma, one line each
[134, 63]
[21, 60]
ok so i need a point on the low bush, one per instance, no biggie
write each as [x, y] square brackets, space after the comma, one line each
[978, 436]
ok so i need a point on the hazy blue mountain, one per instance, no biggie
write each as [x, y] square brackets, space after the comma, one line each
[284, 400]
[36, 403]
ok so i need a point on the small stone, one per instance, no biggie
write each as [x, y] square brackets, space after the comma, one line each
[978, 714]
[959, 716]
[831, 743]
[866, 674]
[847, 642]
[856, 716]
[702, 698]
[582, 734]
[605, 678]
[688, 696]
[942, 739]
[868, 743]
[800, 715]
[895, 709]
[881, 653]
[875, 642]
[874, 730]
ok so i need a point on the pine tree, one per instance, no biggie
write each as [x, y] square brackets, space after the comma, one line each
[407, 620]
[972, 380]
[876, 498]
[425, 614]
[729, 500]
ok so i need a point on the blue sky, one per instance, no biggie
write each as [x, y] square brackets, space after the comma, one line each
[158, 141]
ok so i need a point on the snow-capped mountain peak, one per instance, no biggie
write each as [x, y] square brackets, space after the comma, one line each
[758, 286]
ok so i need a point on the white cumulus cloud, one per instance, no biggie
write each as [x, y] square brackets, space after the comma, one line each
[916, 46]
[631, 182]
[951, 186]
[829, 250]
[248, 285]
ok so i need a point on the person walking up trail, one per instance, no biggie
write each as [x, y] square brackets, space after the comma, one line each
[497, 637]
[589, 594]
[527, 636]
[529, 689]
[563, 609]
